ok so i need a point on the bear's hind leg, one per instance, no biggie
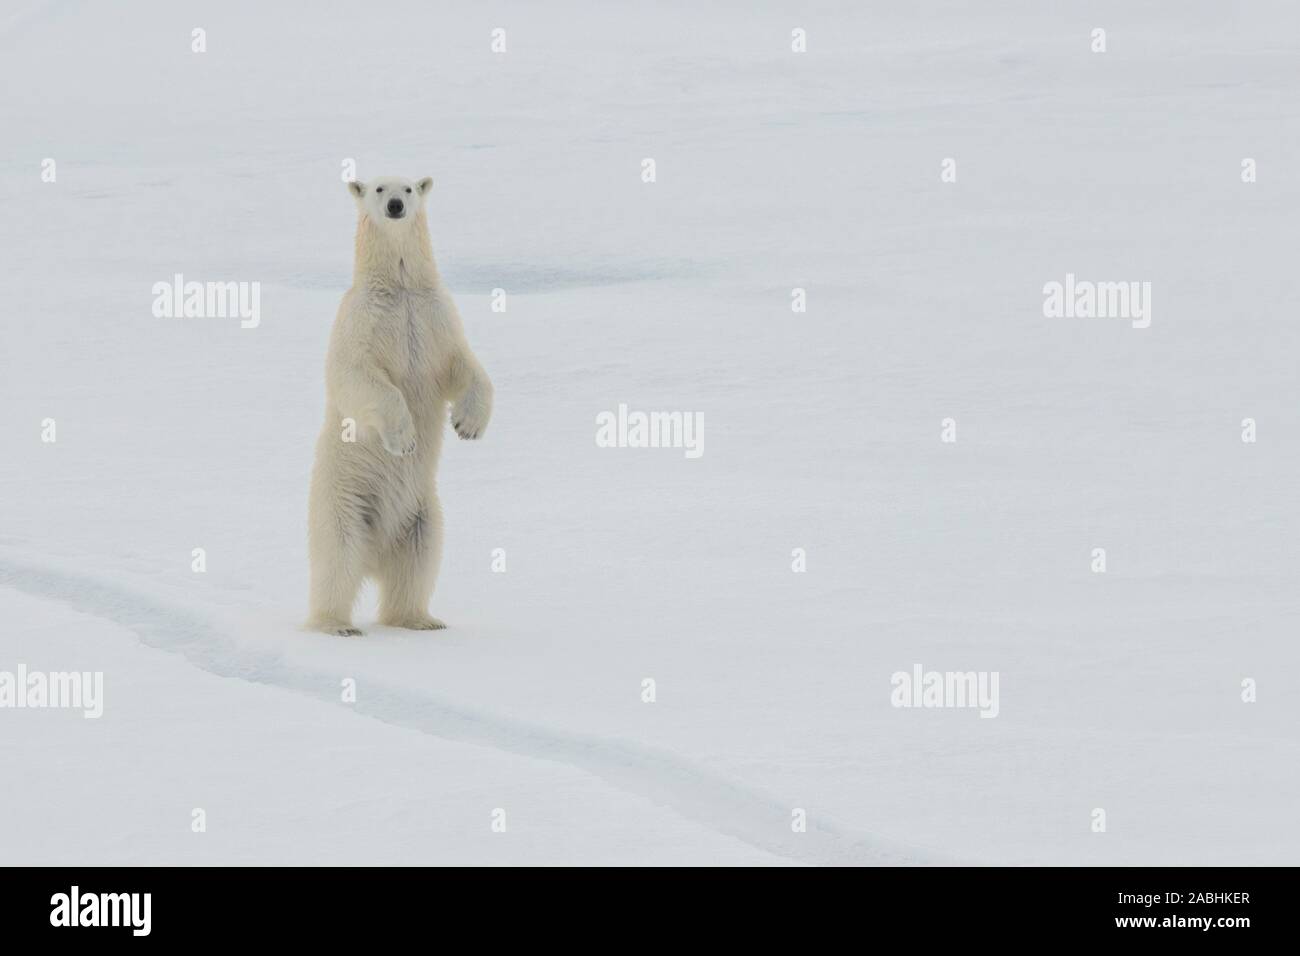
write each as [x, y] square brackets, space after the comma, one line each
[337, 569]
[408, 569]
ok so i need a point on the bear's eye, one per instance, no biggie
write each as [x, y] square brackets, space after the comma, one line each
[379, 189]
[408, 189]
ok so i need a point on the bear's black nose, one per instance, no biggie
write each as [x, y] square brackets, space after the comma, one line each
[394, 207]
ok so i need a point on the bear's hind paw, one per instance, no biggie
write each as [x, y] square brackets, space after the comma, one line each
[340, 630]
[424, 623]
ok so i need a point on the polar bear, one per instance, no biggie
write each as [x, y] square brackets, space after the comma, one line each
[397, 358]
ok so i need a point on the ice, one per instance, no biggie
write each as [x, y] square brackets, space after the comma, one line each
[775, 171]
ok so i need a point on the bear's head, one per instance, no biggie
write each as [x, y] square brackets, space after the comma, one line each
[391, 203]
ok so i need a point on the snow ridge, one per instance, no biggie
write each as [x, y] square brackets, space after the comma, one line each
[698, 794]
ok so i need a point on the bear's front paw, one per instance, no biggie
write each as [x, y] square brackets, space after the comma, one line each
[399, 441]
[470, 421]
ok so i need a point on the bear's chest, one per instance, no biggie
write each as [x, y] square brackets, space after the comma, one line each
[412, 335]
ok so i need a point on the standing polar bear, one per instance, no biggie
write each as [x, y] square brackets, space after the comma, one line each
[397, 358]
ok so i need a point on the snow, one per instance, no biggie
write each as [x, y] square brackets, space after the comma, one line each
[775, 170]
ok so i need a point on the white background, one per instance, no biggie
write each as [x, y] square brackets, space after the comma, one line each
[776, 170]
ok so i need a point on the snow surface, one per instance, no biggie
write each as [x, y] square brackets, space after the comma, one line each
[775, 170]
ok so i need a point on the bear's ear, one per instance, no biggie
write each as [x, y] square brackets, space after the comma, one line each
[424, 185]
[357, 188]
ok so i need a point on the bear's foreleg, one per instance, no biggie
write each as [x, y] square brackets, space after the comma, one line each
[471, 396]
[368, 395]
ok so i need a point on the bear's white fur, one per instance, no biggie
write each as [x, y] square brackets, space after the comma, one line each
[397, 358]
